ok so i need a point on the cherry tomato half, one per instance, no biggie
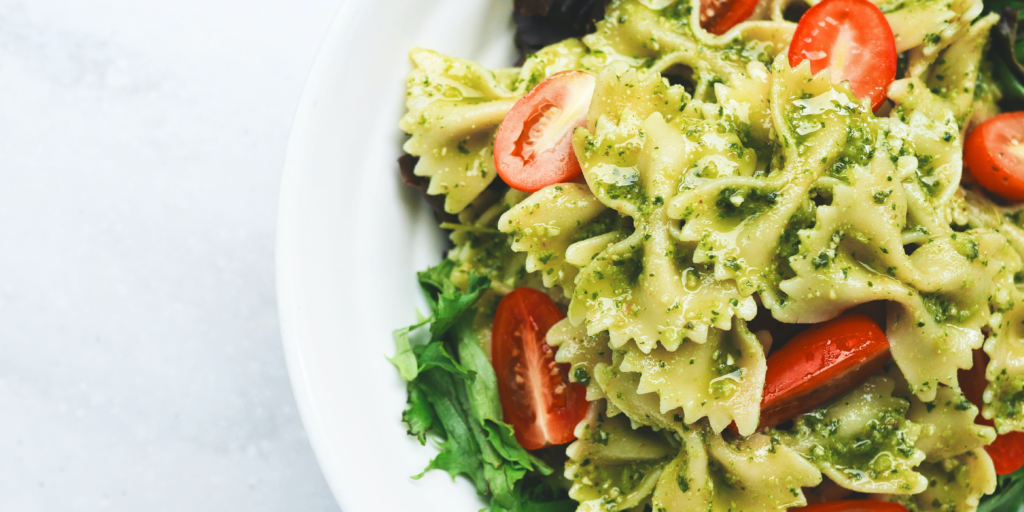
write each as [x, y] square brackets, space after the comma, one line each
[1007, 451]
[820, 364]
[533, 148]
[537, 398]
[853, 506]
[853, 40]
[718, 16]
[994, 153]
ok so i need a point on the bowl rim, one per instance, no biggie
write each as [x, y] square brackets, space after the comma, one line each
[344, 17]
[335, 267]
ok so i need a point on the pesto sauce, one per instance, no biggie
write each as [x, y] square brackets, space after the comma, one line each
[789, 241]
[942, 309]
[858, 150]
[1008, 402]
[869, 454]
[632, 192]
[736, 203]
[609, 220]
[726, 365]
[925, 170]
[489, 255]
[630, 268]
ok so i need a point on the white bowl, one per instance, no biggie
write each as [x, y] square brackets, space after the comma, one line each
[351, 237]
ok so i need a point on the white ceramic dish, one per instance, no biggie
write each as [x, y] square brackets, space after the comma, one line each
[351, 237]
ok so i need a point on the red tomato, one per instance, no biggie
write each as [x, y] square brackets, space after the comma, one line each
[994, 153]
[536, 395]
[853, 506]
[1007, 451]
[718, 16]
[820, 364]
[853, 40]
[533, 148]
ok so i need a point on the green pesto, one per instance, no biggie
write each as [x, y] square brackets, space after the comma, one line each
[1008, 400]
[609, 220]
[633, 192]
[630, 268]
[925, 169]
[489, 254]
[726, 364]
[858, 457]
[624, 477]
[625, 271]
[803, 125]
[857, 150]
[734, 203]
[789, 241]
[942, 309]
[763, 149]
[581, 376]
[968, 248]
[821, 261]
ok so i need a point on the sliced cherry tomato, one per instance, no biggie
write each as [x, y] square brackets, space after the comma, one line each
[718, 16]
[853, 506]
[536, 395]
[853, 40]
[820, 364]
[994, 153]
[1007, 451]
[533, 148]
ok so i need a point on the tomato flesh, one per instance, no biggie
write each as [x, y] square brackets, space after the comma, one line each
[537, 398]
[718, 16]
[853, 40]
[533, 147]
[1007, 451]
[853, 506]
[994, 154]
[820, 364]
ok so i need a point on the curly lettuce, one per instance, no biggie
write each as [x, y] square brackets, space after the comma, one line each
[453, 395]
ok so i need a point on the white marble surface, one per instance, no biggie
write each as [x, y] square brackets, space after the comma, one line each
[141, 146]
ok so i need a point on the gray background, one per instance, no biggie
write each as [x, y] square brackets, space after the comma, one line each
[141, 147]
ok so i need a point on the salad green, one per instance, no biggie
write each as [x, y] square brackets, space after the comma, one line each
[453, 395]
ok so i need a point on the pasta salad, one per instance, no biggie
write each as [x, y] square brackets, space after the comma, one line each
[726, 255]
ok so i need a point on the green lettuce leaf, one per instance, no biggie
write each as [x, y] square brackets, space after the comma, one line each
[538, 494]
[453, 394]
[435, 355]
[447, 302]
[404, 358]
[420, 416]
[460, 451]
